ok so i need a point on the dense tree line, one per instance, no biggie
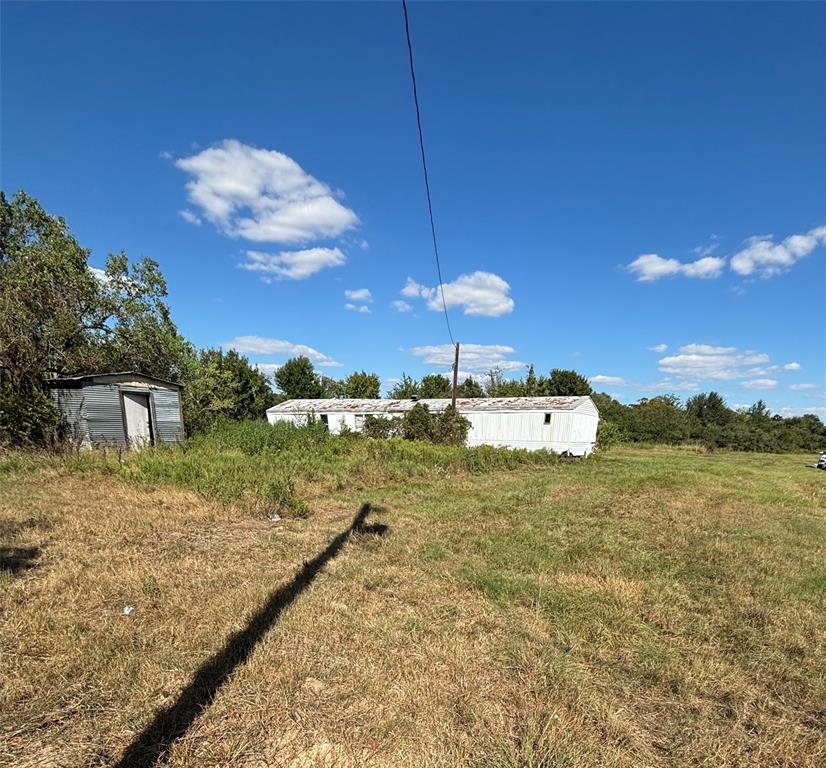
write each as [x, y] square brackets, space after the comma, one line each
[297, 379]
[706, 419]
[58, 317]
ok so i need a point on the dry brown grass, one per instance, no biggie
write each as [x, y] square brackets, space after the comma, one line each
[652, 609]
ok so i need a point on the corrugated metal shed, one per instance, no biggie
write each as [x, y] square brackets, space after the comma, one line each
[127, 409]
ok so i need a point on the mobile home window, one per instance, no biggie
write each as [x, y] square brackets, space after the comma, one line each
[547, 418]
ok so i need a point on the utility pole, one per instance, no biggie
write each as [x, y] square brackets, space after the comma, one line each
[455, 376]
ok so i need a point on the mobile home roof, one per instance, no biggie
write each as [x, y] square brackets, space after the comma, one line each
[464, 404]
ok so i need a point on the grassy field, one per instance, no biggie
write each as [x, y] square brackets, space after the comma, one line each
[649, 607]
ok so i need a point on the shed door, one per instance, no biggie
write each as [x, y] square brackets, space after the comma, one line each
[138, 423]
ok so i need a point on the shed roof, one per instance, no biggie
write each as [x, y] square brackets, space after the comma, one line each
[107, 378]
[463, 404]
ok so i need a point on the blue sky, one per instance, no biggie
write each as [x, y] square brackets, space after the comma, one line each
[637, 191]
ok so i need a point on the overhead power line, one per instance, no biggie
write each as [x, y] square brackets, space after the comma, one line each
[424, 168]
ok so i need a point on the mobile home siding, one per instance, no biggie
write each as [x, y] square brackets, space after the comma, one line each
[505, 422]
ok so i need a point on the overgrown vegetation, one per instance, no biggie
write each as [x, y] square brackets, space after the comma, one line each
[651, 607]
[445, 428]
[282, 467]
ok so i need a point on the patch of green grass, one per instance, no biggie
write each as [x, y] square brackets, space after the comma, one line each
[645, 607]
[277, 467]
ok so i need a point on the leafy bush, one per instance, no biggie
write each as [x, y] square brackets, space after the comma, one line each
[446, 428]
[417, 423]
[450, 428]
[380, 427]
[27, 418]
[609, 434]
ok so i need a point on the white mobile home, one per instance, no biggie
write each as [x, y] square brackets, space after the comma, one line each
[560, 424]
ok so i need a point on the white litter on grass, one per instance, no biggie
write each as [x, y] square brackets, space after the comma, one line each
[275, 517]
[128, 609]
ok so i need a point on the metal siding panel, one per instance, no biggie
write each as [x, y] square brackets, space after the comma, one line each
[168, 426]
[104, 415]
[69, 403]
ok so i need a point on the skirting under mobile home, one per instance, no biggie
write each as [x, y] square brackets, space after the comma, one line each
[559, 424]
[119, 409]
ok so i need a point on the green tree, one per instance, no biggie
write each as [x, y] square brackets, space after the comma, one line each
[498, 386]
[708, 409]
[57, 317]
[297, 379]
[619, 416]
[417, 423]
[450, 427]
[435, 385]
[531, 383]
[404, 389]
[330, 387]
[759, 412]
[660, 420]
[223, 384]
[470, 388]
[140, 334]
[361, 384]
[566, 383]
[49, 299]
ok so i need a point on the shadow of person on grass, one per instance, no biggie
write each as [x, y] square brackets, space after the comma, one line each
[17, 559]
[152, 745]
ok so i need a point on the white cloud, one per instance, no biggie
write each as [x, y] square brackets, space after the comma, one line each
[359, 294]
[759, 384]
[99, 275]
[659, 348]
[708, 248]
[400, 306]
[650, 267]
[294, 265]
[262, 195]
[480, 293]
[268, 369]
[259, 345]
[791, 367]
[670, 385]
[357, 308]
[817, 410]
[477, 377]
[412, 289]
[800, 387]
[473, 358]
[189, 216]
[704, 361]
[616, 381]
[764, 257]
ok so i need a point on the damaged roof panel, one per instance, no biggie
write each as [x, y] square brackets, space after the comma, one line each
[464, 405]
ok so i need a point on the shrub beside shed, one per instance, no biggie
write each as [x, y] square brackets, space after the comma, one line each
[125, 409]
